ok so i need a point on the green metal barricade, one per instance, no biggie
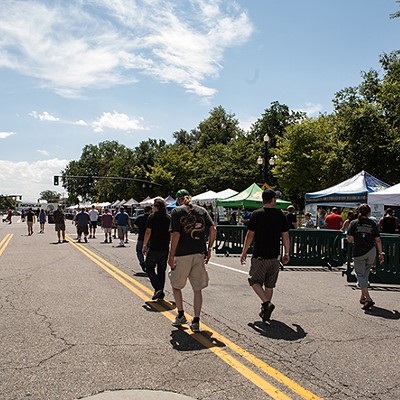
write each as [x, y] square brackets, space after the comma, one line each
[389, 271]
[315, 247]
[230, 239]
[307, 246]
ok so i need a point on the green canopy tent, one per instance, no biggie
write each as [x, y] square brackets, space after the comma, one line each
[250, 199]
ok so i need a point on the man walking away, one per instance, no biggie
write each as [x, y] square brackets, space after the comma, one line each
[82, 224]
[59, 221]
[188, 253]
[156, 240]
[94, 216]
[106, 224]
[141, 224]
[122, 221]
[30, 219]
[266, 226]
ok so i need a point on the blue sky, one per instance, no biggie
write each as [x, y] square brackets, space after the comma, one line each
[80, 72]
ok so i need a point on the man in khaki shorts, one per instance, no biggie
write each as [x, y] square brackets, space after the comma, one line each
[188, 253]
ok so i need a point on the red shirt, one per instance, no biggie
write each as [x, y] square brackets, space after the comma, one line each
[334, 221]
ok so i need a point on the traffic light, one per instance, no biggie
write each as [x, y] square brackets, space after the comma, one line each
[90, 181]
[56, 180]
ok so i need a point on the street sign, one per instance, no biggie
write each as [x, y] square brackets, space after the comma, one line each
[265, 186]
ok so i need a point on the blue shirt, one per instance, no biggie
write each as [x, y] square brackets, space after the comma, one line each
[122, 218]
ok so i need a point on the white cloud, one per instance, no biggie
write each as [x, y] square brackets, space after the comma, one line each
[118, 121]
[45, 116]
[311, 109]
[43, 152]
[80, 122]
[71, 46]
[33, 178]
[4, 135]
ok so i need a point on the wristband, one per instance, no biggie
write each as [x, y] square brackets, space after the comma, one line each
[381, 253]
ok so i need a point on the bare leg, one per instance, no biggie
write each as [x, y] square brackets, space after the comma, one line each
[197, 303]
[263, 294]
[178, 298]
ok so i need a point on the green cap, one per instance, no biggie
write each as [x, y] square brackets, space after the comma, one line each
[182, 193]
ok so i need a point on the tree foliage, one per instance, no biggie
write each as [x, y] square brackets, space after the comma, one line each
[362, 133]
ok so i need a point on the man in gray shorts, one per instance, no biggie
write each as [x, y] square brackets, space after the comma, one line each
[59, 220]
[266, 226]
[188, 253]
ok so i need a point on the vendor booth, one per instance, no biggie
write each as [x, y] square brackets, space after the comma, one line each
[349, 193]
[389, 196]
[250, 199]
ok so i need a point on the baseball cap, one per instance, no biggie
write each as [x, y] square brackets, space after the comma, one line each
[268, 194]
[182, 193]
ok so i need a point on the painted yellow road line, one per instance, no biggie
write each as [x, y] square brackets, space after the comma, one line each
[144, 293]
[4, 243]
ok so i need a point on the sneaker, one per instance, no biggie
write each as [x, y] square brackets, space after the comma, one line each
[121, 245]
[195, 326]
[368, 304]
[65, 241]
[85, 239]
[158, 295]
[266, 311]
[179, 321]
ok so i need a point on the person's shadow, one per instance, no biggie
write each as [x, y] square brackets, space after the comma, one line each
[383, 313]
[278, 330]
[182, 341]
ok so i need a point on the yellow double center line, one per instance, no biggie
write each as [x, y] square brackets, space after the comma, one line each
[145, 294]
[4, 242]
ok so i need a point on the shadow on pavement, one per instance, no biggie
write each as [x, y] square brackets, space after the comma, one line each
[383, 313]
[278, 330]
[182, 341]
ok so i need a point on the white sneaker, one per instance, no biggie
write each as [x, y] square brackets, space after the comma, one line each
[179, 321]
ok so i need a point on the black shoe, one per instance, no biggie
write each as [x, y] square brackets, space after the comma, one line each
[158, 295]
[65, 241]
[85, 239]
[266, 311]
[143, 265]
[368, 304]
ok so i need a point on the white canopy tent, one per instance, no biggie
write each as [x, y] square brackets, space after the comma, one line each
[389, 196]
[206, 197]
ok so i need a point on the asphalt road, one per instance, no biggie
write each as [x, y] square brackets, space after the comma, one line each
[77, 320]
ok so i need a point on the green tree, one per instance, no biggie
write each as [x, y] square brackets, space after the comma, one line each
[219, 127]
[50, 196]
[310, 158]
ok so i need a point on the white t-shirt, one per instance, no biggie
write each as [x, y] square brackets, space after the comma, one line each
[93, 214]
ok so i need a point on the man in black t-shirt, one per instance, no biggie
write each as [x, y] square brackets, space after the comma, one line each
[156, 246]
[266, 227]
[141, 224]
[188, 253]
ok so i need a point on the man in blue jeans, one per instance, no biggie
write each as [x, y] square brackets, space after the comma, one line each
[141, 224]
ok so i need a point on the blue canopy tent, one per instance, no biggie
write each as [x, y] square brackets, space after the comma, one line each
[350, 193]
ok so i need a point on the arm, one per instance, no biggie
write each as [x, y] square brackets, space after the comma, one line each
[146, 240]
[378, 243]
[175, 236]
[286, 246]
[350, 239]
[211, 238]
[247, 242]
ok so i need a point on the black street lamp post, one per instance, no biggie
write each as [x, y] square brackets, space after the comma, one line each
[265, 164]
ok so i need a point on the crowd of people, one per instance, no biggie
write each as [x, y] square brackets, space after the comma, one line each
[183, 240]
